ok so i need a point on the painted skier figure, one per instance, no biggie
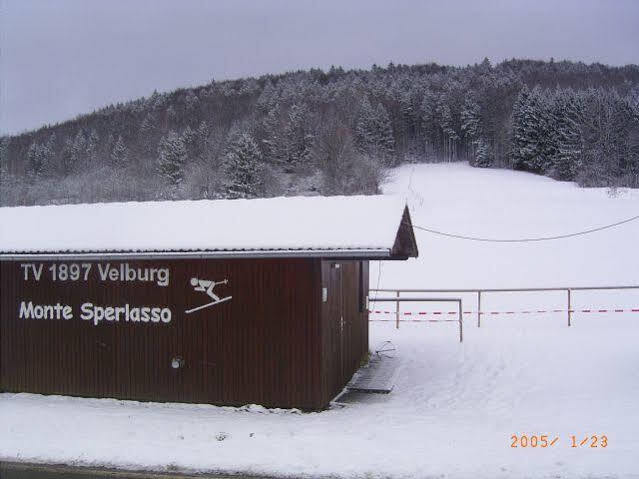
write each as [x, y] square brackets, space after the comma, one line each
[206, 286]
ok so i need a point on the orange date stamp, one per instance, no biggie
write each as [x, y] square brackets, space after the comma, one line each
[544, 441]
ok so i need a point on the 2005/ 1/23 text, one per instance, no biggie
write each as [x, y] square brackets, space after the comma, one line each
[543, 441]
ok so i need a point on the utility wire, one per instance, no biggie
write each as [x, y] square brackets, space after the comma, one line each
[526, 240]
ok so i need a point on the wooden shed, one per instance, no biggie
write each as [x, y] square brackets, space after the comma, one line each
[221, 302]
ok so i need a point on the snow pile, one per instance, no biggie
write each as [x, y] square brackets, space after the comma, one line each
[455, 406]
[331, 223]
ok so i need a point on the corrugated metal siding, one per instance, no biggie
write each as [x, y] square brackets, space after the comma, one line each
[263, 346]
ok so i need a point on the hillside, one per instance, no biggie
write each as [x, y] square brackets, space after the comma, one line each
[335, 132]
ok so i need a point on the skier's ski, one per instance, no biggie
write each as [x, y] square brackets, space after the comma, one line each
[189, 311]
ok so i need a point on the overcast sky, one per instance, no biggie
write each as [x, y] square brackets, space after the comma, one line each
[60, 58]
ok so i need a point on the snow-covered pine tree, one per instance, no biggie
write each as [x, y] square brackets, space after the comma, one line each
[384, 141]
[171, 158]
[50, 145]
[147, 135]
[273, 141]
[119, 153]
[430, 122]
[610, 139]
[171, 115]
[202, 133]
[297, 138]
[471, 119]
[195, 141]
[39, 159]
[268, 98]
[6, 180]
[74, 153]
[409, 110]
[365, 125]
[519, 141]
[68, 156]
[92, 144]
[244, 166]
[374, 133]
[633, 142]
[472, 128]
[446, 122]
[191, 102]
[533, 148]
[4, 157]
[567, 111]
[189, 139]
[484, 155]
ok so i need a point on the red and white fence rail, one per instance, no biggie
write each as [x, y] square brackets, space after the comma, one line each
[497, 313]
[397, 299]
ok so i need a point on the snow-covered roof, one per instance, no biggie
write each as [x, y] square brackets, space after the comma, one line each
[346, 226]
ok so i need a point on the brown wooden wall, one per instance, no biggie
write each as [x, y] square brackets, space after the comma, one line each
[267, 345]
[344, 323]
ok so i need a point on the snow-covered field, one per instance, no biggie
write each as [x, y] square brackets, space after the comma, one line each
[455, 406]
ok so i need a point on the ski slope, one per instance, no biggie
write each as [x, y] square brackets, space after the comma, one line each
[455, 406]
[491, 203]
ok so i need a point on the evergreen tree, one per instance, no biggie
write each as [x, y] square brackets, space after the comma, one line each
[74, 153]
[566, 130]
[297, 139]
[273, 141]
[195, 141]
[189, 140]
[244, 165]
[471, 119]
[375, 133]
[482, 154]
[92, 145]
[147, 135]
[430, 121]
[171, 158]
[448, 128]
[68, 156]
[191, 102]
[533, 146]
[39, 158]
[268, 98]
[384, 139]
[610, 132]
[365, 125]
[4, 157]
[119, 153]
[519, 140]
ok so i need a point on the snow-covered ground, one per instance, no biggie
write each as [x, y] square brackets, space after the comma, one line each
[491, 203]
[455, 406]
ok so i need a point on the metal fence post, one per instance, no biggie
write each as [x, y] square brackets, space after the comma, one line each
[397, 312]
[461, 322]
[478, 309]
[569, 308]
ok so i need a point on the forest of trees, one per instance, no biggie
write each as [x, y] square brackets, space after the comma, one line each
[335, 132]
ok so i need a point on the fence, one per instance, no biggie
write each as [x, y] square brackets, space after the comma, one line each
[397, 300]
[483, 292]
